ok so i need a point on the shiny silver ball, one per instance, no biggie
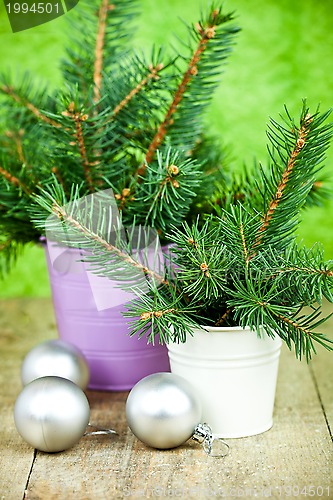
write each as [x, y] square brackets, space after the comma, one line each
[51, 413]
[55, 358]
[163, 410]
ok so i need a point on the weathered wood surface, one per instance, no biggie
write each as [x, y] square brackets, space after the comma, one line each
[294, 457]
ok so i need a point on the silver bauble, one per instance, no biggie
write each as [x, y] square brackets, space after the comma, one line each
[163, 410]
[51, 413]
[55, 358]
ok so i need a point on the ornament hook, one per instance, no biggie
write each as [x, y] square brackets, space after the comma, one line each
[203, 435]
[99, 430]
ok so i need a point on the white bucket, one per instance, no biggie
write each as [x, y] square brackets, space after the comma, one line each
[234, 371]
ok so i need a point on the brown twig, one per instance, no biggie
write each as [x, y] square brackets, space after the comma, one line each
[14, 180]
[16, 137]
[223, 318]
[153, 74]
[324, 272]
[246, 253]
[64, 216]
[79, 117]
[157, 314]
[294, 324]
[34, 110]
[99, 48]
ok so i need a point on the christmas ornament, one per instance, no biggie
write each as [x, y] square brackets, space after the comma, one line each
[163, 411]
[51, 413]
[55, 358]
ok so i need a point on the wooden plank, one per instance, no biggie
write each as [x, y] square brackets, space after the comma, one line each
[322, 371]
[22, 325]
[296, 452]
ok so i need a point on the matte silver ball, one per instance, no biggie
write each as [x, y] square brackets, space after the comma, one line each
[51, 414]
[163, 410]
[55, 358]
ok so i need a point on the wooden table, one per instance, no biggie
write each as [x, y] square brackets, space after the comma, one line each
[293, 459]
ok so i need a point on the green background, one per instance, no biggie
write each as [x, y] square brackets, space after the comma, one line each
[284, 54]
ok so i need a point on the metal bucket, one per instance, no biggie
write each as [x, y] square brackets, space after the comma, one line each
[116, 360]
[234, 371]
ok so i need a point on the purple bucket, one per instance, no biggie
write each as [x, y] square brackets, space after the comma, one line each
[116, 360]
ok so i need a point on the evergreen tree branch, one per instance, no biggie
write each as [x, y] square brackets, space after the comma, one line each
[79, 117]
[293, 323]
[16, 137]
[9, 90]
[222, 319]
[274, 203]
[302, 271]
[153, 313]
[105, 7]
[91, 238]
[281, 191]
[93, 50]
[14, 180]
[206, 33]
[163, 197]
[147, 315]
[303, 335]
[153, 74]
[94, 237]
[246, 253]
[55, 171]
[305, 270]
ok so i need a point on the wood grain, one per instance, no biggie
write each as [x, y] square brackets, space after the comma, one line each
[23, 324]
[296, 452]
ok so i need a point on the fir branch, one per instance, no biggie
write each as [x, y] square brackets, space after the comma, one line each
[238, 227]
[105, 7]
[153, 74]
[246, 253]
[274, 305]
[274, 203]
[56, 172]
[153, 313]
[157, 313]
[9, 90]
[306, 270]
[291, 322]
[202, 262]
[93, 237]
[222, 319]
[78, 117]
[303, 335]
[14, 180]
[206, 34]
[164, 197]
[17, 139]
[96, 41]
[296, 155]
